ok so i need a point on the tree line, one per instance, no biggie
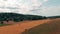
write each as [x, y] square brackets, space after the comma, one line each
[19, 17]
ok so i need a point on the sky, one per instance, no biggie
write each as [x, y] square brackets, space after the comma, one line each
[33, 7]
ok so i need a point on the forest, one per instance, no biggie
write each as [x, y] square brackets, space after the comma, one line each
[19, 17]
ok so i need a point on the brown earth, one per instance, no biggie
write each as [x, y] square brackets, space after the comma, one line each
[21, 26]
[51, 27]
[9, 22]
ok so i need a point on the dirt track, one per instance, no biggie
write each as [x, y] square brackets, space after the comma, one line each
[20, 27]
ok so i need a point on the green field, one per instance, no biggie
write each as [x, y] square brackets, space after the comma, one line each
[4, 24]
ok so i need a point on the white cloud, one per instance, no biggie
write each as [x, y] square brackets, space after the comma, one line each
[45, 0]
[24, 5]
[47, 11]
[29, 7]
[51, 11]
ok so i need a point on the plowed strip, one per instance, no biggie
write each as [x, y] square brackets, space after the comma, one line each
[20, 27]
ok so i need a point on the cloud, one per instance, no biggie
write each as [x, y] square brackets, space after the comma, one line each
[30, 6]
[50, 11]
[45, 0]
[24, 6]
[47, 11]
[34, 7]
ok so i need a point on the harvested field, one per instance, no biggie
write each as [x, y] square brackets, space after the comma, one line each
[20, 27]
